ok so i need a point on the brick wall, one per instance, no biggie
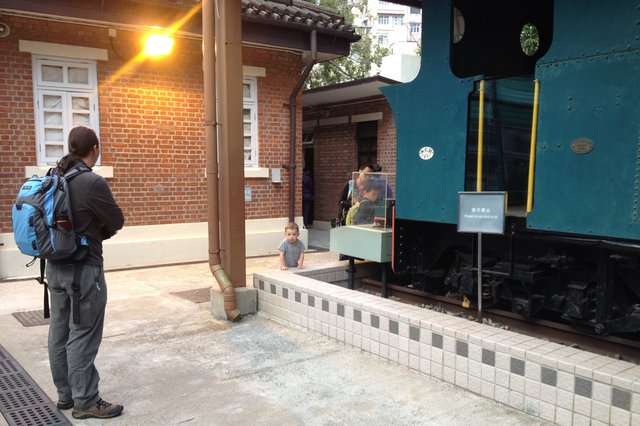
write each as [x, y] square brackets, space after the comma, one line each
[274, 133]
[150, 123]
[335, 158]
[335, 153]
[17, 146]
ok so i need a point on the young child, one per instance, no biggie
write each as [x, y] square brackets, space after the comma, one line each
[366, 210]
[291, 249]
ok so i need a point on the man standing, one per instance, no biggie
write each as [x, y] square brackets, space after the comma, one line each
[78, 288]
[307, 198]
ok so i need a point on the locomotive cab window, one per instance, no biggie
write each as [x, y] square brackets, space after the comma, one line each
[508, 108]
[499, 38]
[500, 42]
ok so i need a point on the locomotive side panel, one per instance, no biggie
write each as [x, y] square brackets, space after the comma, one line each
[430, 115]
[586, 174]
[586, 165]
[576, 256]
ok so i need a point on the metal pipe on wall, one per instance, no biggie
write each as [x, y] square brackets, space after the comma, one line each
[210, 123]
[228, 33]
[292, 124]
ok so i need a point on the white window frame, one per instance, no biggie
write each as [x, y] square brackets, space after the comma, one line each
[65, 90]
[251, 103]
[397, 20]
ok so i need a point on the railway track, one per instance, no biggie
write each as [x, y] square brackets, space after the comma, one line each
[612, 346]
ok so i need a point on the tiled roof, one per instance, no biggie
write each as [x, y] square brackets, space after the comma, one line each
[298, 13]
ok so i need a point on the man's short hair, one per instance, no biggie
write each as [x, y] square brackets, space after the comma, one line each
[366, 165]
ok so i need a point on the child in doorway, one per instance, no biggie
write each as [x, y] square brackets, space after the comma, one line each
[291, 248]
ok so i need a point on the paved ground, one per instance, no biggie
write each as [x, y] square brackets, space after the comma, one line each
[170, 363]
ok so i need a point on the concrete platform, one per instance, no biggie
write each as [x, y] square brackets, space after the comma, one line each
[170, 362]
[552, 382]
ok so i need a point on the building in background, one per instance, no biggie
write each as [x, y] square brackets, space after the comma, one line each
[395, 26]
[64, 65]
[346, 125]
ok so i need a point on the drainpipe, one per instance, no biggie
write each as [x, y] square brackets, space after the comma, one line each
[292, 124]
[213, 216]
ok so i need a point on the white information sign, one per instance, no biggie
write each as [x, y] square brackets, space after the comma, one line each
[481, 212]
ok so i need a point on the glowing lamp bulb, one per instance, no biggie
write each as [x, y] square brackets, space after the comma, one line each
[158, 45]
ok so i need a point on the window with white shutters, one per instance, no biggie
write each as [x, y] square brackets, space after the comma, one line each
[66, 96]
[250, 121]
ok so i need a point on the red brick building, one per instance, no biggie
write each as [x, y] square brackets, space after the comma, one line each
[347, 124]
[68, 62]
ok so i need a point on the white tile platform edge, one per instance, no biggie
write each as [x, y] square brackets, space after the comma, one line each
[556, 383]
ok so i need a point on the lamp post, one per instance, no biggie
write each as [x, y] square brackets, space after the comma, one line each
[158, 45]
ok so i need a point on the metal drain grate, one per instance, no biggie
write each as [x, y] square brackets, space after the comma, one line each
[32, 318]
[22, 402]
[198, 295]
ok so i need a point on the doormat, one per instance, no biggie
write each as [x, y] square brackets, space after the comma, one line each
[32, 318]
[198, 295]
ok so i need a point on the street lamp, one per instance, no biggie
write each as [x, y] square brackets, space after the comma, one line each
[157, 45]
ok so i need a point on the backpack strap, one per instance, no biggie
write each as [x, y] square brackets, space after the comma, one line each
[77, 264]
[78, 259]
[75, 171]
[75, 288]
[41, 280]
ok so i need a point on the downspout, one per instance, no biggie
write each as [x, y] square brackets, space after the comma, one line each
[213, 216]
[292, 124]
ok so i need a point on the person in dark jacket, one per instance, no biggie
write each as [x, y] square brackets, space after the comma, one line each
[378, 169]
[307, 198]
[371, 190]
[348, 194]
[73, 346]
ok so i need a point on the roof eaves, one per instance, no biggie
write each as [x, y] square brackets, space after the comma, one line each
[351, 83]
[298, 15]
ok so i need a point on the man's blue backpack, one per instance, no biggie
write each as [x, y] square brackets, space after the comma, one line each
[42, 219]
[43, 222]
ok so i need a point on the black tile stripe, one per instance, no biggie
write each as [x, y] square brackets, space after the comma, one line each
[375, 321]
[436, 340]
[357, 315]
[549, 376]
[393, 327]
[462, 348]
[583, 387]
[414, 333]
[488, 357]
[621, 398]
[517, 366]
